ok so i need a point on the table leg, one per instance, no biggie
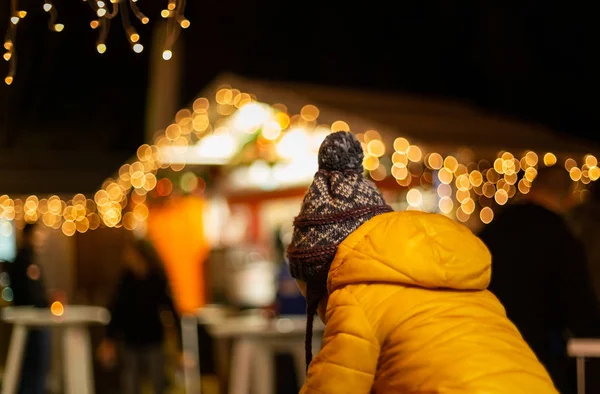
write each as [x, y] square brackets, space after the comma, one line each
[14, 361]
[264, 369]
[239, 376]
[189, 337]
[580, 375]
[77, 353]
[222, 358]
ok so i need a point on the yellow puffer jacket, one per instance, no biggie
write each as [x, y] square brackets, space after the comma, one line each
[409, 312]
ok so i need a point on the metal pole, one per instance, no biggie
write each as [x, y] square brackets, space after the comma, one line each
[163, 84]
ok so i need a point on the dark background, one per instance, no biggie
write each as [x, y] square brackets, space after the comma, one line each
[535, 60]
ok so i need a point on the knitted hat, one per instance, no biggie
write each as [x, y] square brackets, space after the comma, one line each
[339, 200]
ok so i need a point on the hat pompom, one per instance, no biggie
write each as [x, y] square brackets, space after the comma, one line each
[341, 151]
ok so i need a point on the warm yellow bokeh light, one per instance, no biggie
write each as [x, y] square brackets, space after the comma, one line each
[309, 113]
[414, 153]
[575, 174]
[370, 162]
[461, 216]
[524, 186]
[486, 215]
[462, 195]
[379, 173]
[446, 205]
[550, 159]
[451, 164]
[57, 308]
[594, 173]
[435, 161]
[400, 159]
[399, 171]
[414, 197]
[401, 145]
[531, 158]
[445, 176]
[444, 190]
[530, 174]
[501, 197]
[476, 178]
[468, 206]
[569, 164]
[376, 148]
[339, 125]
[591, 161]
[200, 105]
[462, 182]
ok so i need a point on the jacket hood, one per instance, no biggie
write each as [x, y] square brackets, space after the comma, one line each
[412, 249]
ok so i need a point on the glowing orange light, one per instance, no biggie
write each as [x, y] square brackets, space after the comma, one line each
[57, 308]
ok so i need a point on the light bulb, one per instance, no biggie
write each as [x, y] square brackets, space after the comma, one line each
[7, 56]
[145, 20]
[47, 7]
[165, 13]
[101, 12]
[94, 24]
[185, 23]
[8, 80]
[138, 48]
[101, 48]
[59, 27]
[134, 37]
[14, 20]
[22, 14]
[167, 55]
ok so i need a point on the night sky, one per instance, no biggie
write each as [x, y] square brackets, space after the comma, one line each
[533, 60]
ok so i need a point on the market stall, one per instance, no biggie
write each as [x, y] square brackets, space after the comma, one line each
[237, 161]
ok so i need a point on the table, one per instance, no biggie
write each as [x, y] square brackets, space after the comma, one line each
[582, 349]
[255, 340]
[77, 350]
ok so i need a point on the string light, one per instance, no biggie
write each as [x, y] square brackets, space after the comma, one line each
[174, 15]
[11, 35]
[468, 190]
[105, 14]
[9, 42]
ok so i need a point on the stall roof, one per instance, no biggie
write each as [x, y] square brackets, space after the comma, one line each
[437, 123]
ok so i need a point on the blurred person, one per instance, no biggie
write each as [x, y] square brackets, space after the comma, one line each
[289, 298]
[290, 301]
[402, 294]
[584, 221]
[29, 289]
[540, 274]
[141, 296]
